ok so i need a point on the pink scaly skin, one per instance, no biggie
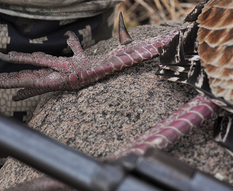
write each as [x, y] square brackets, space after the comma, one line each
[168, 131]
[71, 73]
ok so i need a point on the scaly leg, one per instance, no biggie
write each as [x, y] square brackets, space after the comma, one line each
[171, 129]
[71, 73]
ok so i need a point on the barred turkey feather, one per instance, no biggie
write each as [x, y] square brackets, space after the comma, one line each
[177, 63]
[202, 54]
[223, 132]
[186, 69]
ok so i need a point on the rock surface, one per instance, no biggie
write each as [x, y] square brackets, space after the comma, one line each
[99, 119]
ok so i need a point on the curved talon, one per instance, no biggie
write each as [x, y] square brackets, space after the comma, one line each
[74, 44]
[25, 93]
[70, 34]
[124, 36]
[4, 57]
[29, 92]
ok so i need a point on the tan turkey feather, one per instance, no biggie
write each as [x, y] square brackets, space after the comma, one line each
[215, 38]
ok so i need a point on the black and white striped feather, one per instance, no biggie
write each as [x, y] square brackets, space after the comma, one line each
[180, 62]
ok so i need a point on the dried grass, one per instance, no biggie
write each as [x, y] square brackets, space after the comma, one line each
[139, 12]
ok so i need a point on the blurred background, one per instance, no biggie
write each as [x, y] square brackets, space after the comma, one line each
[141, 12]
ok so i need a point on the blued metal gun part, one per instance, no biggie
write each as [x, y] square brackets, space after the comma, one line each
[155, 171]
[170, 173]
[64, 163]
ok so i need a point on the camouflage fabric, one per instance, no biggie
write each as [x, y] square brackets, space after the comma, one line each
[31, 35]
[56, 10]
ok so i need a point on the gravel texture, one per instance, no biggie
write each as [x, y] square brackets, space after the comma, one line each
[99, 119]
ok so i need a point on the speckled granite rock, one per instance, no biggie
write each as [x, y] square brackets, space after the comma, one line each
[99, 119]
